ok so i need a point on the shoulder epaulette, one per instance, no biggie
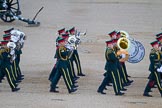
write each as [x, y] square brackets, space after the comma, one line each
[109, 50]
[153, 51]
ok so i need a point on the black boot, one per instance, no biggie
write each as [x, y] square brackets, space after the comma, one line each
[147, 94]
[54, 91]
[119, 94]
[15, 89]
[72, 90]
[81, 74]
[99, 91]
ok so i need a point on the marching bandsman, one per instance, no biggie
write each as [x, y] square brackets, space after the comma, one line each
[6, 57]
[18, 38]
[122, 63]
[75, 56]
[159, 38]
[70, 50]
[59, 33]
[154, 69]
[120, 71]
[61, 68]
[115, 35]
[111, 70]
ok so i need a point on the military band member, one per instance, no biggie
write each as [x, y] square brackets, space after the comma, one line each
[6, 58]
[123, 66]
[61, 68]
[53, 72]
[111, 70]
[75, 56]
[159, 38]
[115, 35]
[120, 71]
[154, 69]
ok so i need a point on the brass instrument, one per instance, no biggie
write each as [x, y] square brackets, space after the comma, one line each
[123, 44]
[131, 50]
[123, 52]
[124, 34]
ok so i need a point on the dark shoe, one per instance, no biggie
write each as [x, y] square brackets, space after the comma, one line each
[128, 76]
[20, 78]
[150, 91]
[146, 94]
[101, 92]
[74, 86]
[75, 82]
[105, 88]
[76, 77]
[18, 81]
[22, 75]
[109, 84]
[15, 89]
[130, 81]
[126, 84]
[120, 94]
[54, 91]
[81, 74]
[72, 90]
[124, 89]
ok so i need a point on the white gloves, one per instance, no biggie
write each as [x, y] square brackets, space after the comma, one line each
[123, 55]
[69, 46]
[159, 69]
[12, 52]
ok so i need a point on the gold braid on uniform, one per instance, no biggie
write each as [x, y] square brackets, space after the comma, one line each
[4, 49]
[108, 51]
[116, 49]
[62, 48]
[157, 52]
